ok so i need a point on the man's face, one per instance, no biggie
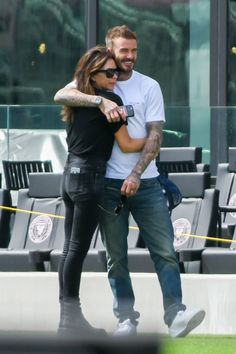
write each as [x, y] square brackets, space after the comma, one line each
[125, 51]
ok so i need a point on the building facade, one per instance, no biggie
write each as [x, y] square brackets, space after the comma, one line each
[188, 46]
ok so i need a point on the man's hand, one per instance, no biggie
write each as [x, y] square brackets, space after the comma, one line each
[130, 185]
[112, 112]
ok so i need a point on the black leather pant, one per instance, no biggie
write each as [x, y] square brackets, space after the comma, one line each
[82, 185]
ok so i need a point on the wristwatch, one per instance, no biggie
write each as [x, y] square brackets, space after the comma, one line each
[98, 100]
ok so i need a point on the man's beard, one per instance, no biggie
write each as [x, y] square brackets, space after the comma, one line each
[124, 70]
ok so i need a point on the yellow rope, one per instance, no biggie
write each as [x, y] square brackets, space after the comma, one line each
[130, 227]
[31, 212]
[198, 236]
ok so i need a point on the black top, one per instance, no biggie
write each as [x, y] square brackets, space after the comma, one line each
[90, 135]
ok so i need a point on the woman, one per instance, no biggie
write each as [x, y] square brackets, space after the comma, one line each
[90, 139]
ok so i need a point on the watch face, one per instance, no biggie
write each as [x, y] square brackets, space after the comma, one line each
[98, 100]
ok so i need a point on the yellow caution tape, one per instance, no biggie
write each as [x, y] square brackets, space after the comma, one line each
[198, 236]
[212, 238]
[31, 212]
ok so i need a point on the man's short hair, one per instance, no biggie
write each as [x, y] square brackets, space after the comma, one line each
[119, 32]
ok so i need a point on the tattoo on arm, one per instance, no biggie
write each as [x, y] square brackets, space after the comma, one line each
[151, 148]
[73, 98]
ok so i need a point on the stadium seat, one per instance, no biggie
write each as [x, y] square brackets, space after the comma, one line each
[180, 159]
[16, 173]
[95, 261]
[32, 229]
[5, 217]
[195, 215]
[220, 260]
[226, 184]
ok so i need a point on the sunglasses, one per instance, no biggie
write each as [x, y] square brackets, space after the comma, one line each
[110, 72]
[120, 205]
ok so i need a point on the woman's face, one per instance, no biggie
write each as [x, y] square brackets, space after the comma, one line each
[107, 76]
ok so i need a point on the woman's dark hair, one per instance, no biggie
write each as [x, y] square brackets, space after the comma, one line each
[90, 63]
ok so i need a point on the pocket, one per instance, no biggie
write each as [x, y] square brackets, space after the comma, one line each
[110, 198]
[81, 185]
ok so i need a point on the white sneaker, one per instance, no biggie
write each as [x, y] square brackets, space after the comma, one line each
[125, 328]
[185, 322]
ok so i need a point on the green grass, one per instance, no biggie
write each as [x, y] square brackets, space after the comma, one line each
[199, 345]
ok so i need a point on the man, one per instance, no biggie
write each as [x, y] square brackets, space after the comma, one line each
[135, 176]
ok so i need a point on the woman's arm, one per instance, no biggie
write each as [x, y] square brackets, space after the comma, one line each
[126, 143]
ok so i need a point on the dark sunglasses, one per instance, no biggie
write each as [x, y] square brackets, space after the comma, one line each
[110, 72]
[120, 205]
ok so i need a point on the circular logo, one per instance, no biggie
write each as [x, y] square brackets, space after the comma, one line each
[182, 229]
[232, 202]
[40, 229]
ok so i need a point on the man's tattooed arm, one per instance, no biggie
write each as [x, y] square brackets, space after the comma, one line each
[149, 152]
[151, 148]
[71, 97]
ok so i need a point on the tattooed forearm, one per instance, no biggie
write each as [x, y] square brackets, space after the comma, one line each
[151, 148]
[73, 98]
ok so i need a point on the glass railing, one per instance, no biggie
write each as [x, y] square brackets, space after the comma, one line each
[32, 133]
[37, 132]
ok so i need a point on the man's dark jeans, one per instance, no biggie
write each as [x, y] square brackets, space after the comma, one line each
[149, 209]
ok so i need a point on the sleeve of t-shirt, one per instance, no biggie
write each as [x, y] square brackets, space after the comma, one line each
[71, 84]
[154, 104]
[114, 127]
[113, 97]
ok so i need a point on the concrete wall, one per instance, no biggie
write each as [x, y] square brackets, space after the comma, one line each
[29, 301]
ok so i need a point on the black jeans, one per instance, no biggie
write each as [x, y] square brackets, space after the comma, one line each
[82, 185]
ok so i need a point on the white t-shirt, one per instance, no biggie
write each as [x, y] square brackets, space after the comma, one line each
[145, 95]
